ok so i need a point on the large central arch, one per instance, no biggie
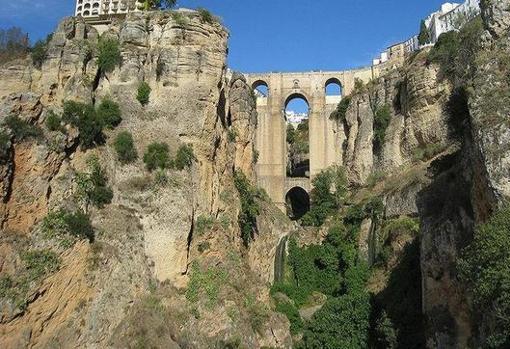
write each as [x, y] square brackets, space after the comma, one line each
[297, 116]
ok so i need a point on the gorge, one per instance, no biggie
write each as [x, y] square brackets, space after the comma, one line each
[146, 201]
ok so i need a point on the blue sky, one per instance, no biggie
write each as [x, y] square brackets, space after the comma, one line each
[275, 35]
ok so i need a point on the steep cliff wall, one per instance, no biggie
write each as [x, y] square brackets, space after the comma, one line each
[444, 160]
[151, 233]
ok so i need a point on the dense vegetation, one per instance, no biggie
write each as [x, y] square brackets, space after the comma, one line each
[93, 185]
[63, 224]
[484, 265]
[327, 195]
[21, 129]
[250, 208]
[91, 121]
[332, 269]
[341, 109]
[424, 37]
[455, 52]
[157, 156]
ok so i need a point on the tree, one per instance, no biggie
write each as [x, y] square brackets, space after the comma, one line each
[327, 195]
[109, 54]
[109, 112]
[342, 323]
[157, 156]
[143, 93]
[125, 147]
[185, 157]
[39, 53]
[424, 37]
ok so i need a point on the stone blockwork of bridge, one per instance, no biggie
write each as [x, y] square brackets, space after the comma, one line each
[325, 141]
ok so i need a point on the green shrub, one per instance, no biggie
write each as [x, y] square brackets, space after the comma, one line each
[484, 266]
[424, 36]
[257, 313]
[427, 152]
[180, 19]
[157, 156]
[53, 122]
[21, 129]
[455, 52]
[232, 135]
[93, 186]
[185, 157]
[59, 224]
[5, 145]
[125, 147]
[206, 16]
[374, 178]
[292, 313]
[205, 284]
[39, 52]
[382, 117]
[341, 109]
[250, 209]
[143, 93]
[109, 54]
[161, 178]
[109, 112]
[85, 118]
[385, 333]
[203, 224]
[6, 284]
[40, 263]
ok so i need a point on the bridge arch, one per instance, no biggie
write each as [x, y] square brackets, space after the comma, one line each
[297, 202]
[333, 91]
[261, 88]
[333, 87]
[296, 95]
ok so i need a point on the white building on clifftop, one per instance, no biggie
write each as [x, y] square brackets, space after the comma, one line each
[451, 16]
[105, 8]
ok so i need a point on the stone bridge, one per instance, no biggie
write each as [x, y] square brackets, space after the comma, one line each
[325, 141]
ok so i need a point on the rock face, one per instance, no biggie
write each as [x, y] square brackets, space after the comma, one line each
[149, 233]
[416, 100]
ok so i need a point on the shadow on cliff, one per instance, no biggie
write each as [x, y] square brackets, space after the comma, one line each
[402, 300]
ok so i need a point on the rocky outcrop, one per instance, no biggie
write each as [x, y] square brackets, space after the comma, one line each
[496, 15]
[416, 98]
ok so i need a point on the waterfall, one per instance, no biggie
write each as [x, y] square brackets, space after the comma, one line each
[279, 260]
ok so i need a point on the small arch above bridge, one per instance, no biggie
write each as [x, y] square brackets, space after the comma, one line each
[333, 91]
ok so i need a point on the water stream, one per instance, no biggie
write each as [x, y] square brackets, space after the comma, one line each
[279, 260]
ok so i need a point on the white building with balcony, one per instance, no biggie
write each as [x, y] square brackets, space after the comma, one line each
[105, 8]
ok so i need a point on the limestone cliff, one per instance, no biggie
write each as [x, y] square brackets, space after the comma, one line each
[101, 296]
[444, 160]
